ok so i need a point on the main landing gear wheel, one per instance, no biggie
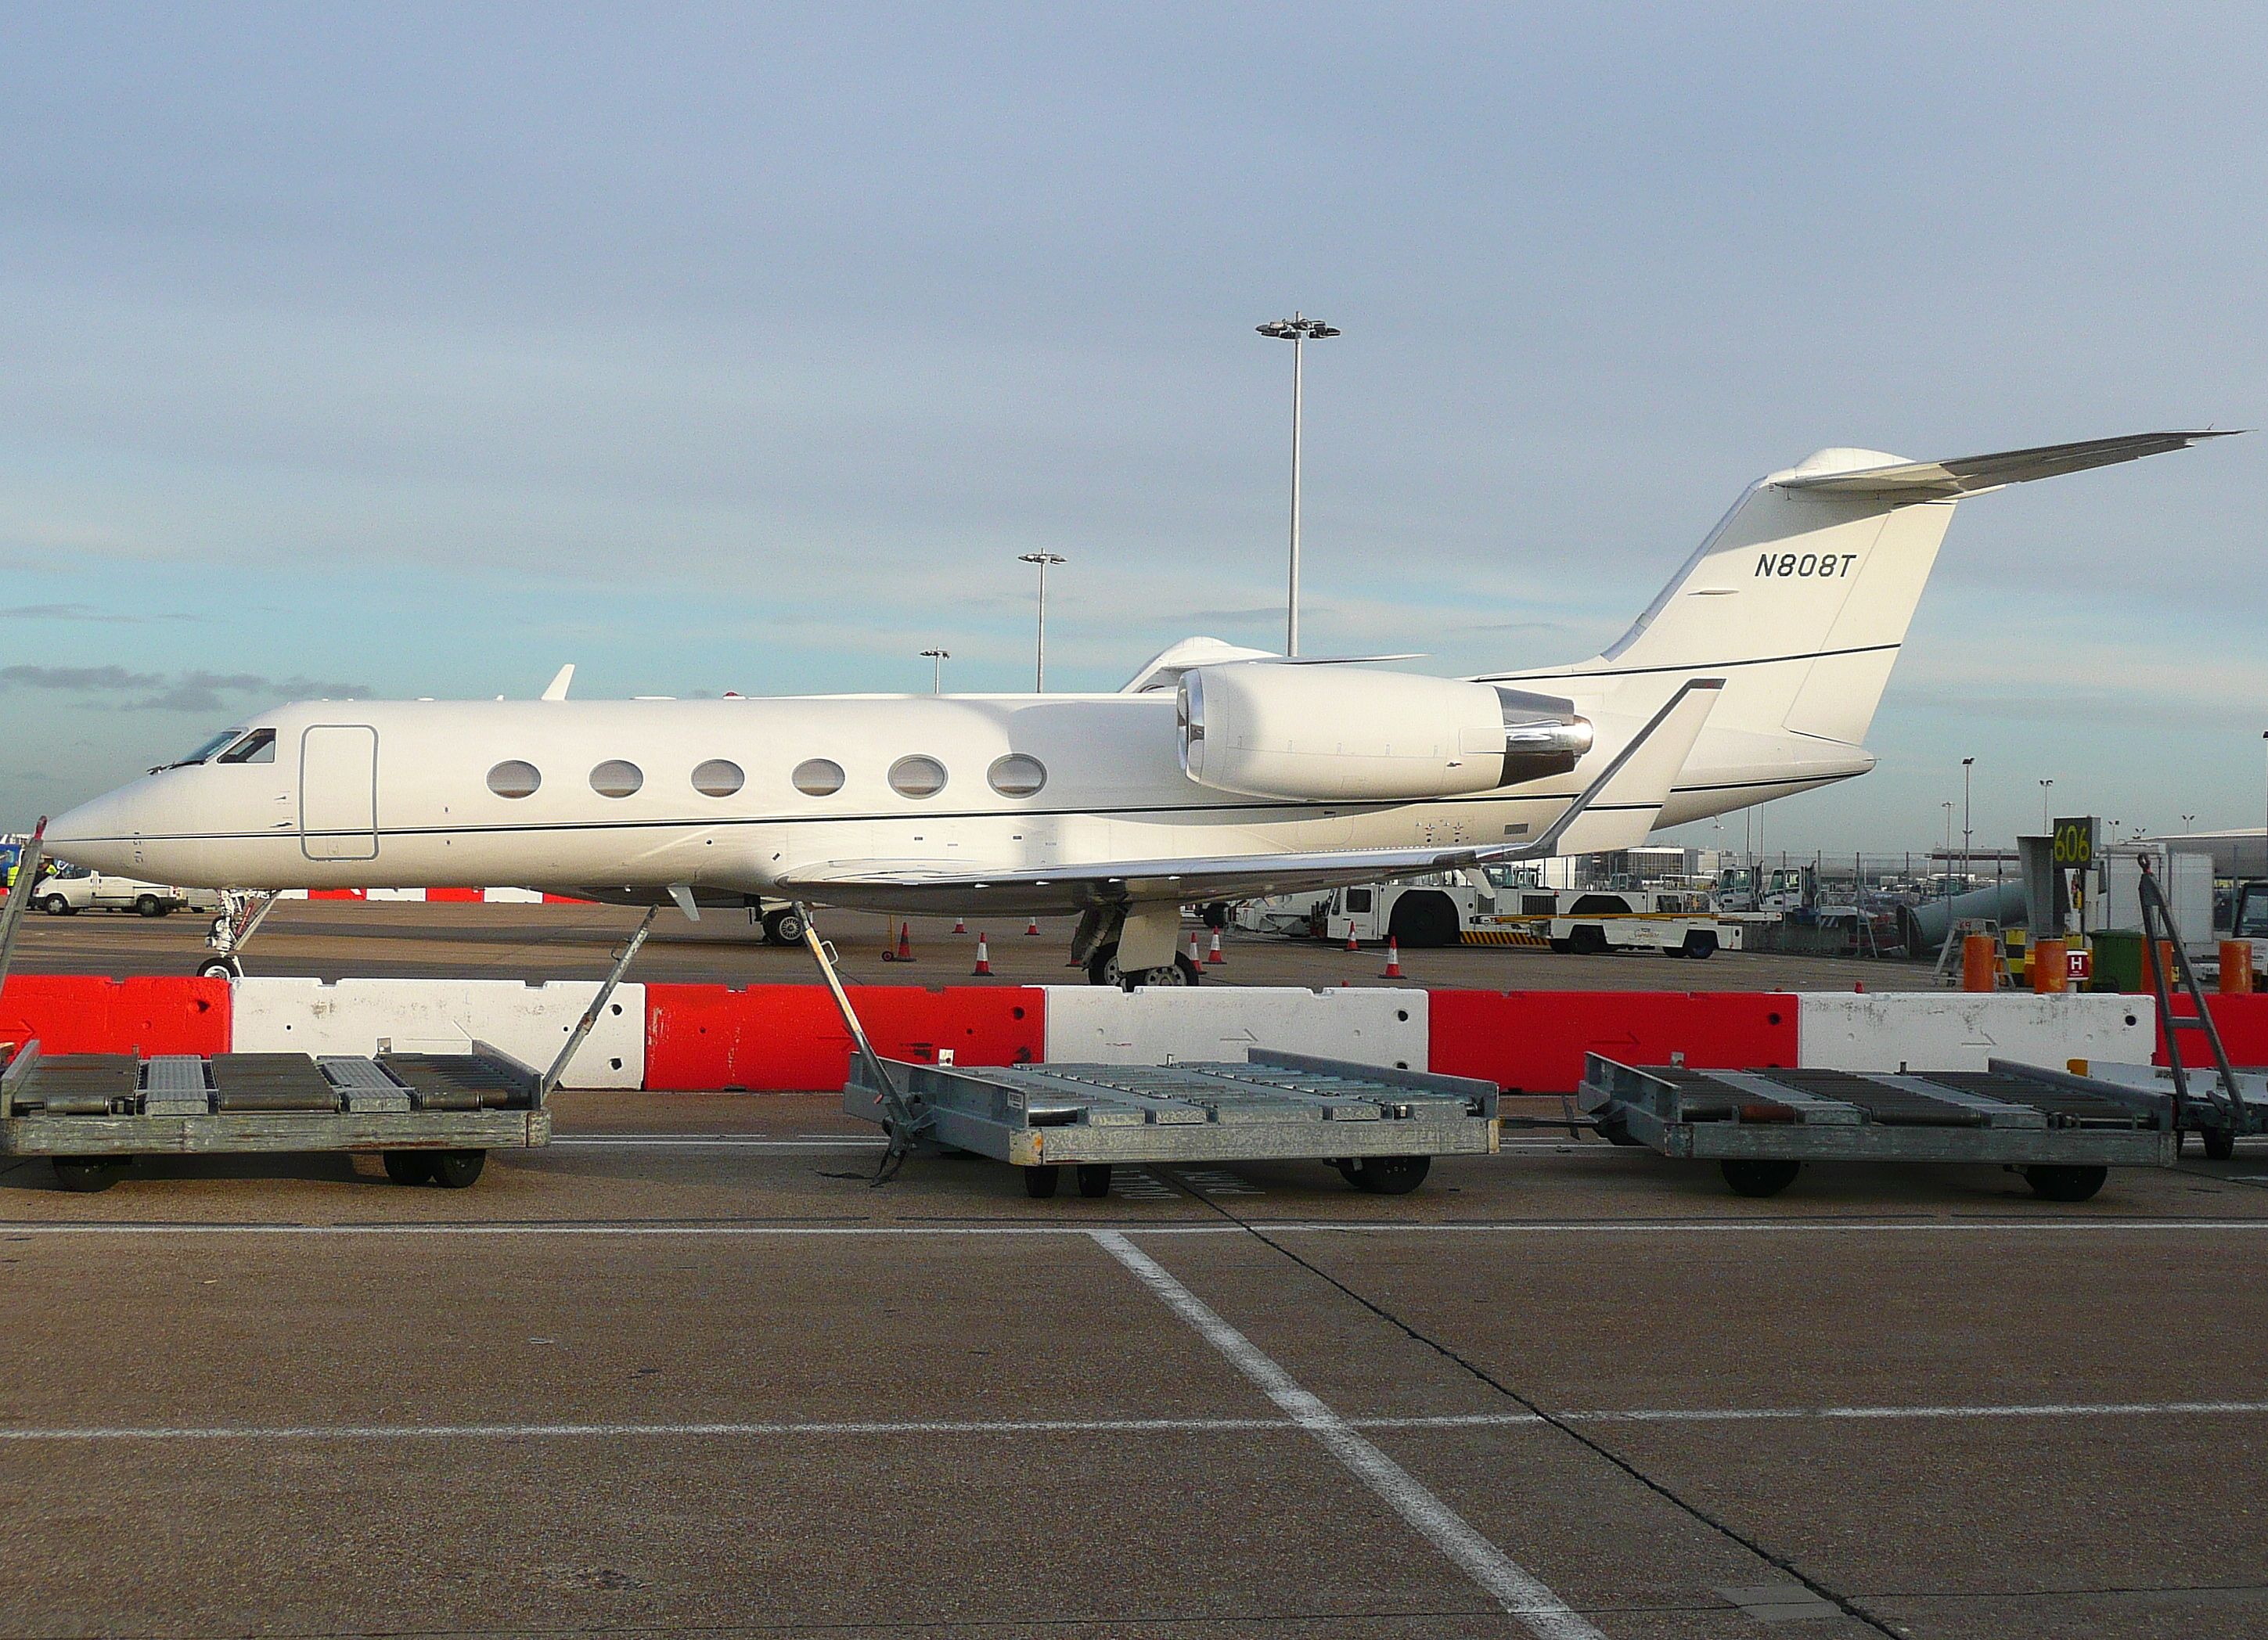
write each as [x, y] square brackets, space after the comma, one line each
[1103, 969]
[1750, 1177]
[1386, 1175]
[2065, 1183]
[1040, 1182]
[85, 1174]
[783, 928]
[1093, 1180]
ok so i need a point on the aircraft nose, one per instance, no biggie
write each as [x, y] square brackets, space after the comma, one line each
[100, 833]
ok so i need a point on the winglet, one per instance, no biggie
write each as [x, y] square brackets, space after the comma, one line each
[1618, 809]
[556, 690]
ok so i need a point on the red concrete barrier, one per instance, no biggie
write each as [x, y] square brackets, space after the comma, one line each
[338, 893]
[1533, 1041]
[2243, 1022]
[452, 896]
[789, 1038]
[72, 1013]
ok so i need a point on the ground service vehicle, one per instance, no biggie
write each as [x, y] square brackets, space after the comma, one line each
[74, 889]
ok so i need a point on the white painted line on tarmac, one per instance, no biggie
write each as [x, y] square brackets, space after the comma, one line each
[744, 1429]
[22, 1230]
[685, 1142]
[1518, 1592]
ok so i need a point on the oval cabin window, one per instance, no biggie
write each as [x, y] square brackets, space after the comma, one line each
[1016, 775]
[514, 779]
[918, 776]
[818, 777]
[719, 778]
[615, 778]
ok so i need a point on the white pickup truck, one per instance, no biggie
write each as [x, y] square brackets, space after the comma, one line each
[75, 888]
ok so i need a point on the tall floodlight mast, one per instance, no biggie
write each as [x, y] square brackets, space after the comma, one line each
[938, 657]
[1298, 330]
[1040, 659]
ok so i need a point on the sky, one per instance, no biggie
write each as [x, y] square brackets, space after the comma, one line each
[416, 351]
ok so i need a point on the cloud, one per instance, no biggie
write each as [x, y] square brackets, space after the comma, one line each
[78, 680]
[185, 692]
[79, 612]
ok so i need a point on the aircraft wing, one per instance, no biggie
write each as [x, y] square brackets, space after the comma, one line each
[1970, 476]
[1616, 810]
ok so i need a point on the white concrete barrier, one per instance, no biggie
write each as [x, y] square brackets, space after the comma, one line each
[530, 1022]
[1960, 1031]
[1101, 1025]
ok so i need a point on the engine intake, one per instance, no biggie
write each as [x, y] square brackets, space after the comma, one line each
[1265, 729]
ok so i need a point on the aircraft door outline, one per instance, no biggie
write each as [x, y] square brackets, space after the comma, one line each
[338, 791]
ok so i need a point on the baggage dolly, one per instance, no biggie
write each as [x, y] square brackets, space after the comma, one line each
[2062, 1132]
[1380, 1128]
[434, 1117]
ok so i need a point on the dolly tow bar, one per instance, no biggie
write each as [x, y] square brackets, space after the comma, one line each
[905, 1121]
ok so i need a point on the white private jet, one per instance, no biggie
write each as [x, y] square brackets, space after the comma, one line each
[1217, 772]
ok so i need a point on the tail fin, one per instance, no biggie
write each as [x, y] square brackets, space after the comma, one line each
[1801, 596]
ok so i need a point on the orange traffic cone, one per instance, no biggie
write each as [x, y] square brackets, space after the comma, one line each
[1034, 927]
[1194, 959]
[1351, 945]
[905, 942]
[1393, 959]
[1213, 958]
[961, 925]
[984, 958]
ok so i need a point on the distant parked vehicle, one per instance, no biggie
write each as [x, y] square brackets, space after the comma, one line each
[73, 888]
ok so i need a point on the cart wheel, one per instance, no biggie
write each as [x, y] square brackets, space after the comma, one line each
[1700, 945]
[2065, 1183]
[455, 1169]
[2220, 1143]
[1040, 1182]
[409, 1167]
[1094, 1179]
[88, 1173]
[1388, 1175]
[1749, 1177]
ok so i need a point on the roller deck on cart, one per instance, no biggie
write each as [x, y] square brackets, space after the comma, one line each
[1379, 1126]
[1762, 1124]
[122, 1105]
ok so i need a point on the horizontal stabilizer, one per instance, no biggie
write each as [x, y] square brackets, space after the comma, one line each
[1970, 476]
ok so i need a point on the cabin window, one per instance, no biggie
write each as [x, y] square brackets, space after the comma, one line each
[917, 776]
[1016, 775]
[514, 779]
[718, 777]
[818, 777]
[259, 747]
[616, 778]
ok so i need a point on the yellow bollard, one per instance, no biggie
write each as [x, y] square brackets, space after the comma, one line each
[2051, 967]
[1980, 963]
[2236, 967]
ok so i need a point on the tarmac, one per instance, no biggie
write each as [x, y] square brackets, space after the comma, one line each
[341, 939]
[686, 1372]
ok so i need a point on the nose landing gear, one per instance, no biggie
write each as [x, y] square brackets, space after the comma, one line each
[242, 911]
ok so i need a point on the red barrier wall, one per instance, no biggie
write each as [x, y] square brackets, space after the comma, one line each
[2244, 1024]
[1535, 1041]
[789, 1038]
[73, 1013]
[440, 896]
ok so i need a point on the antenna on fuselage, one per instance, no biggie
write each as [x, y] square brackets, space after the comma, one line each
[556, 689]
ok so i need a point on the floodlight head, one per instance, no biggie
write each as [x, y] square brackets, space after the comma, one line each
[1041, 557]
[1299, 328]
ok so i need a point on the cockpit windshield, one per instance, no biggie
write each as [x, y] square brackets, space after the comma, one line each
[226, 736]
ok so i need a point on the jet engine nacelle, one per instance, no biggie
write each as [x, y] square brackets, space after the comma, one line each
[1269, 729]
